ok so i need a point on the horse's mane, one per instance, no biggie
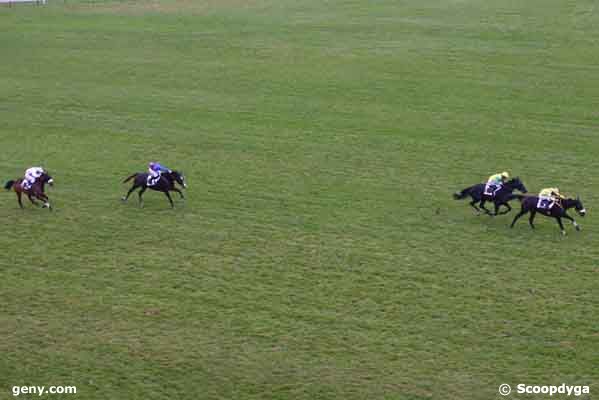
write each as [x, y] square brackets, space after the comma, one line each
[571, 200]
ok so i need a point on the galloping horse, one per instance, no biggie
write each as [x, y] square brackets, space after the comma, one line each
[501, 198]
[36, 190]
[165, 184]
[558, 211]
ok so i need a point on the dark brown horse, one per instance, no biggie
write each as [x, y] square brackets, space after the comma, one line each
[501, 198]
[165, 184]
[558, 211]
[36, 191]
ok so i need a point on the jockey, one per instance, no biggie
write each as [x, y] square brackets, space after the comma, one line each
[156, 169]
[31, 176]
[495, 182]
[552, 196]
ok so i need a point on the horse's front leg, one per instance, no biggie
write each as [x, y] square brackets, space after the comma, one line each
[42, 196]
[168, 196]
[566, 216]
[179, 191]
[35, 203]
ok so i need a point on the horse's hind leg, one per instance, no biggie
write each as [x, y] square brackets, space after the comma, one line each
[140, 193]
[482, 206]
[561, 226]
[532, 219]
[509, 208]
[126, 197]
[19, 194]
[521, 213]
[496, 210]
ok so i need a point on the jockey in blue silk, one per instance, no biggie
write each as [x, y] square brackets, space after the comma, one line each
[31, 175]
[156, 169]
[495, 182]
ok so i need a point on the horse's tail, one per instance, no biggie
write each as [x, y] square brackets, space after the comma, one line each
[463, 194]
[130, 177]
[9, 185]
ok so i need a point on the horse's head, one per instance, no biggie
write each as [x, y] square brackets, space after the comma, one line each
[576, 204]
[579, 207]
[516, 183]
[46, 178]
[179, 178]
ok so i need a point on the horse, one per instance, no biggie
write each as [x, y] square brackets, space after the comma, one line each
[165, 184]
[501, 198]
[558, 211]
[37, 190]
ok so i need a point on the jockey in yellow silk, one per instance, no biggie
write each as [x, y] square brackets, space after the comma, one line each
[552, 194]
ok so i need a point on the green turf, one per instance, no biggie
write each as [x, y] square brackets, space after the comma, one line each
[319, 254]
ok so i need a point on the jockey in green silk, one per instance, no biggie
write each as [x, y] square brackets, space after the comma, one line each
[495, 182]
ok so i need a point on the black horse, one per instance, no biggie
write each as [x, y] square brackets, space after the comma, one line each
[37, 190]
[165, 184]
[501, 198]
[558, 211]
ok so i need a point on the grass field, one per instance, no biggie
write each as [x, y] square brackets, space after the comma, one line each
[319, 254]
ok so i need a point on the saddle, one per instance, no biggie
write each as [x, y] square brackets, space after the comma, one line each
[153, 180]
[490, 190]
[547, 203]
